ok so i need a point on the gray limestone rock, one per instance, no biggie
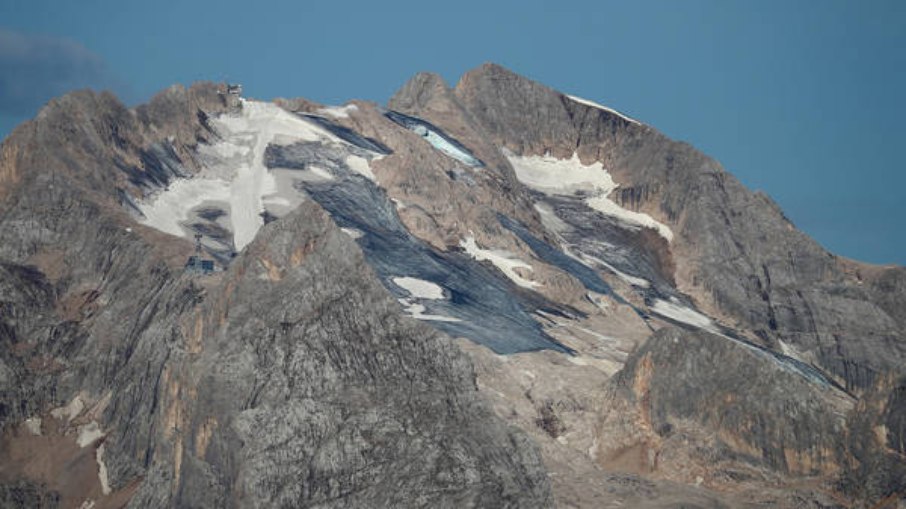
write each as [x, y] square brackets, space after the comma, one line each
[293, 379]
[735, 251]
[289, 380]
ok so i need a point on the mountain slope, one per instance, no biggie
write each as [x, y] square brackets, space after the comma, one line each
[164, 382]
[660, 334]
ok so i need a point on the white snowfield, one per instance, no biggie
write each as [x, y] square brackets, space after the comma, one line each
[235, 177]
[503, 260]
[566, 177]
[593, 104]
[419, 288]
[561, 176]
[683, 314]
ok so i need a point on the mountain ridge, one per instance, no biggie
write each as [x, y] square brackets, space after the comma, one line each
[565, 285]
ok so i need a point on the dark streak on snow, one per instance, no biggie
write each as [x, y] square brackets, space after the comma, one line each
[412, 122]
[493, 311]
[349, 135]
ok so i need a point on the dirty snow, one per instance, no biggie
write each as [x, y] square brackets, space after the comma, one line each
[417, 311]
[593, 104]
[235, 176]
[169, 209]
[89, 433]
[419, 288]
[102, 470]
[561, 176]
[683, 314]
[503, 260]
[361, 166]
[567, 177]
[607, 207]
[69, 411]
[353, 232]
[550, 220]
[338, 111]
[633, 280]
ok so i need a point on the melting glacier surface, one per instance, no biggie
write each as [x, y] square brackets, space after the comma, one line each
[436, 137]
[593, 183]
[590, 239]
[348, 135]
[235, 192]
[553, 256]
[450, 290]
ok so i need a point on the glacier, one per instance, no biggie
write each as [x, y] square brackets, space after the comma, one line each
[436, 137]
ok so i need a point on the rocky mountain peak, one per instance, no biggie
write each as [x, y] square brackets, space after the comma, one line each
[419, 91]
[495, 295]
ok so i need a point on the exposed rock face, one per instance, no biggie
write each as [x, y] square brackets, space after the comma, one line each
[290, 379]
[761, 410]
[659, 335]
[303, 370]
[738, 259]
[735, 253]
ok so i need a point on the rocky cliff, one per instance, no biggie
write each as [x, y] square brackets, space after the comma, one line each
[490, 295]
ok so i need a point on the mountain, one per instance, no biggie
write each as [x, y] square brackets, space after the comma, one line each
[487, 295]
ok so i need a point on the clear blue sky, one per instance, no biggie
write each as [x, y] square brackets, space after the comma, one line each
[803, 99]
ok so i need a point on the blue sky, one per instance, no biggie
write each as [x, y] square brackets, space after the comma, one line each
[802, 99]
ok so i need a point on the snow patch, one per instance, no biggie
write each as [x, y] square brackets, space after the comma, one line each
[70, 411]
[419, 288]
[169, 209]
[89, 433]
[417, 311]
[561, 176]
[568, 177]
[353, 232]
[607, 207]
[792, 351]
[597, 335]
[683, 314]
[633, 280]
[338, 111]
[593, 104]
[550, 220]
[503, 260]
[102, 470]
[235, 176]
[361, 166]
[320, 173]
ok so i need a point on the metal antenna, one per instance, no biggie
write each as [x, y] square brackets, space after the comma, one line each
[198, 243]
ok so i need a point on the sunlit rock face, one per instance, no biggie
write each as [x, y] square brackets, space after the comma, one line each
[491, 295]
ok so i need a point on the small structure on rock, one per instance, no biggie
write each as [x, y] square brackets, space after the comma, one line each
[232, 97]
[197, 264]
